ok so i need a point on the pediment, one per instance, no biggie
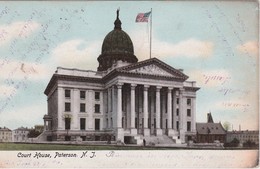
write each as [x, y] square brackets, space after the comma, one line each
[154, 67]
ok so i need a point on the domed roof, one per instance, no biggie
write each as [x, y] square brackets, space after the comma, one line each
[116, 46]
[117, 41]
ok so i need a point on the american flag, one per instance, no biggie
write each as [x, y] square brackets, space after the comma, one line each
[142, 17]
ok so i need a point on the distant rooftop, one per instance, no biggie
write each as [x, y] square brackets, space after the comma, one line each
[4, 129]
[210, 128]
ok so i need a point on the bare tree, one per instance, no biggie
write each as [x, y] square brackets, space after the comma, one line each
[226, 126]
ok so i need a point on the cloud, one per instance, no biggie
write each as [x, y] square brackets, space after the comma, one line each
[189, 47]
[250, 47]
[6, 91]
[16, 30]
[77, 54]
[16, 70]
[210, 78]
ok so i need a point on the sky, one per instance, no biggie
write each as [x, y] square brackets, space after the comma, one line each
[216, 43]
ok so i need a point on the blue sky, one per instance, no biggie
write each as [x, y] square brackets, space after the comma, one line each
[216, 43]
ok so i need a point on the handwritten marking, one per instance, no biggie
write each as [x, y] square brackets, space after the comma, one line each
[216, 78]
[228, 91]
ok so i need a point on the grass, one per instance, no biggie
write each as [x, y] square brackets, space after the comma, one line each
[22, 146]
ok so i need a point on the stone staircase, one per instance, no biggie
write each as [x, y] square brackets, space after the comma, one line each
[161, 140]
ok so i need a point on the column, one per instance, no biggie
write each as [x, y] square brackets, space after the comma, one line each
[193, 115]
[61, 106]
[109, 107]
[181, 117]
[146, 130]
[120, 133]
[174, 110]
[119, 105]
[158, 112]
[76, 106]
[45, 127]
[169, 112]
[133, 129]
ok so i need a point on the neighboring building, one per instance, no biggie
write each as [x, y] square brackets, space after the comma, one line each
[210, 131]
[243, 136]
[124, 98]
[5, 135]
[20, 134]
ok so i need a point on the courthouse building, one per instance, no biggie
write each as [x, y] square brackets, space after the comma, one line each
[124, 100]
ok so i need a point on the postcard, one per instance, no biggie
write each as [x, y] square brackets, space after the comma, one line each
[135, 84]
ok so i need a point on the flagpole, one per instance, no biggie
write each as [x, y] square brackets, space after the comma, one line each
[151, 35]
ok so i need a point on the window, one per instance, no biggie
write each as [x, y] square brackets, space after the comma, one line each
[67, 93]
[177, 100]
[97, 95]
[82, 124]
[97, 108]
[177, 125]
[188, 101]
[177, 112]
[67, 106]
[188, 112]
[67, 123]
[82, 107]
[82, 94]
[135, 122]
[97, 124]
[188, 126]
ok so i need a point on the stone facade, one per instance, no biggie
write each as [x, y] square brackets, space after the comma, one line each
[20, 134]
[128, 103]
[5, 135]
[243, 136]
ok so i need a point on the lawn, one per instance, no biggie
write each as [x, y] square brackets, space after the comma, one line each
[20, 146]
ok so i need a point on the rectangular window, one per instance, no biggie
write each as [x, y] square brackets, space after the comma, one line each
[177, 100]
[82, 107]
[82, 94]
[135, 122]
[188, 126]
[67, 123]
[177, 125]
[97, 108]
[97, 95]
[177, 112]
[188, 112]
[82, 124]
[188, 101]
[67, 93]
[67, 107]
[97, 124]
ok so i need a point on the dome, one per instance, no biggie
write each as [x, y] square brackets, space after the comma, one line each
[116, 46]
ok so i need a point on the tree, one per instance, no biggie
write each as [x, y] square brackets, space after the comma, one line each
[33, 133]
[226, 126]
